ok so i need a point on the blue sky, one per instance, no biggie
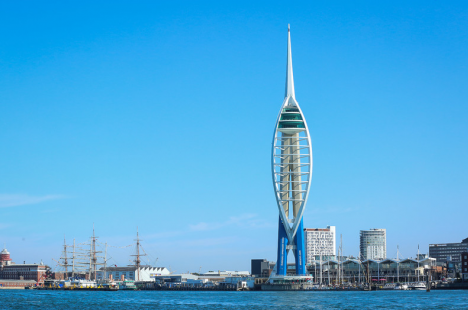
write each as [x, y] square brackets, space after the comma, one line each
[160, 115]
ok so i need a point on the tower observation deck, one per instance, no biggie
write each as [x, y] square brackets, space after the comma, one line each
[291, 165]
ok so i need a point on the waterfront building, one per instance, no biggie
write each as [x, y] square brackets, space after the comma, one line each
[20, 274]
[260, 267]
[143, 273]
[5, 258]
[421, 256]
[385, 270]
[16, 283]
[373, 243]
[240, 282]
[448, 252]
[225, 273]
[320, 243]
[177, 278]
[464, 267]
[292, 173]
[24, 272]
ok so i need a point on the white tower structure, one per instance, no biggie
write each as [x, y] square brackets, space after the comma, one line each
[291, 164]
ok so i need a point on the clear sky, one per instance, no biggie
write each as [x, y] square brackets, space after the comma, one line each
[161, 114]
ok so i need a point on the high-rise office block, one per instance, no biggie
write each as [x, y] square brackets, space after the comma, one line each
[373, 244]
[320, 243]
[444, 252]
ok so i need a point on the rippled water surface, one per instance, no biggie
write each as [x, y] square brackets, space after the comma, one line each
[25, 299]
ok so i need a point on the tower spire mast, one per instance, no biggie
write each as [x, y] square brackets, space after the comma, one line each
[289, 71]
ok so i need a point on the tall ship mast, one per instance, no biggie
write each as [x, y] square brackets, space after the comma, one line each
[65, 260]
[137, 257]
[83, 261]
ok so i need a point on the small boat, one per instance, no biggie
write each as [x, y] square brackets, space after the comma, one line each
[389, 286]
[82, 284]
[128, 285]
[109, 286]
[402, 287]
[418, 286]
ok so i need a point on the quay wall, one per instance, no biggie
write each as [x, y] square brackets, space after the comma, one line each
[451, 286]
[286, 287]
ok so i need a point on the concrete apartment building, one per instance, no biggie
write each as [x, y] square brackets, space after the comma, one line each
[373, 244]
[320, 242]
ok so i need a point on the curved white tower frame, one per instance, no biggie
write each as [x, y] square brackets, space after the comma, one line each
[291, 166]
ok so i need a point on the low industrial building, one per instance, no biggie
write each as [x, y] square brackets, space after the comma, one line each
[144, 273]
[16, 283]
[224, 273]
[220, 275]
[240, 282]
[176, 278]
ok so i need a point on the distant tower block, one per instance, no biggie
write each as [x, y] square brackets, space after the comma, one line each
[373, 243]
[291, 165]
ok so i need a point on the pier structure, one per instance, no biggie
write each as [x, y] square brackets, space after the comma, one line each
[291, 165]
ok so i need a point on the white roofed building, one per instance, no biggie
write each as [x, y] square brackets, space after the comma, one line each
[145, 273]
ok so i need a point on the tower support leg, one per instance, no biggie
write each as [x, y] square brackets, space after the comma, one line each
[282, 262]
[299, 253]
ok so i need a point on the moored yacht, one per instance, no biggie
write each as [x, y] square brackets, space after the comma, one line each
[419, 286]
[401, 286]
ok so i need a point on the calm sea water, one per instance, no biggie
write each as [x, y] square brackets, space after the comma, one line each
[24, 299]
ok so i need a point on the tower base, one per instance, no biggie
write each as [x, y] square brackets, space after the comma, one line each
[299, 252]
